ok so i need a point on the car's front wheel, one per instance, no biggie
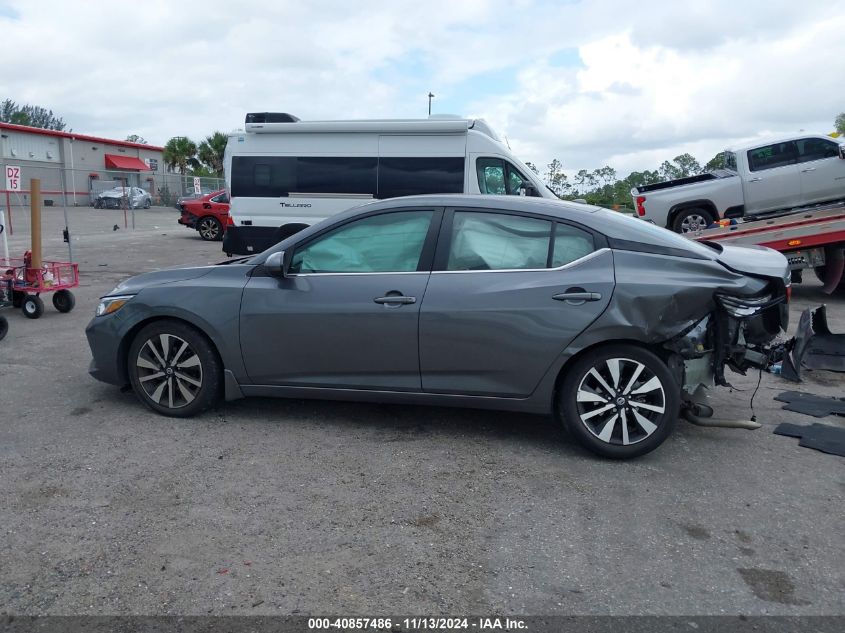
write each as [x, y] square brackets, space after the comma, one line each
[619, 401]
[174, 370]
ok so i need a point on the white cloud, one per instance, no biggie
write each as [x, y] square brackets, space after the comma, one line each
[655, 79]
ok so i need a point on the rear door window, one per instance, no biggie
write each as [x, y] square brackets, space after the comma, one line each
[771, 156]
[494, 241]
[570, 244]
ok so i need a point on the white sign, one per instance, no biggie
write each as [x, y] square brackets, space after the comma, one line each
[13, 178]
[197, 186]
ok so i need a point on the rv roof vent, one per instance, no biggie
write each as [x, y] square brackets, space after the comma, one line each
[271, 117]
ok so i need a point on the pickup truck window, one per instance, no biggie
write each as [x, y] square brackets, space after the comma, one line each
[730, 161]
[771, 156]
[816, 149]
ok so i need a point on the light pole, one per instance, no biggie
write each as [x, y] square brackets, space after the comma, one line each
[430, 97]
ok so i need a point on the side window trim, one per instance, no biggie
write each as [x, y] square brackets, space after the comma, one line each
[426, 256]
[441, 252]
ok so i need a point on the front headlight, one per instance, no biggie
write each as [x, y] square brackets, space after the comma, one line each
[108, 305]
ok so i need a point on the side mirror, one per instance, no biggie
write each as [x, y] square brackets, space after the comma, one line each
[527, 189]
[842, 151]
[277, 264]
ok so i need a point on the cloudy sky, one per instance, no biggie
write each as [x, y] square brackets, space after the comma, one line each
[592, 83]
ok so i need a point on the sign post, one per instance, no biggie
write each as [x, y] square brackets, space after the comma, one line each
[13, 184]
[197, 186]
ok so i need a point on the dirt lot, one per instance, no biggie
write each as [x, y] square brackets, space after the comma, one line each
[270, 506]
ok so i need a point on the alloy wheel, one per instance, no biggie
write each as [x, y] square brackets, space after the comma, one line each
[693, 223]
[209, 229]
[620, 401]
[169, 371]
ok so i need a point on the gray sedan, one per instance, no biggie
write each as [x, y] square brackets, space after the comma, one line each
[604, 321]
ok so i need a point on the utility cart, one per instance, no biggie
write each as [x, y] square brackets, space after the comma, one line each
[28, 283]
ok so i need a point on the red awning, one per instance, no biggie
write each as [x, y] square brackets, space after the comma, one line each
[113, 161]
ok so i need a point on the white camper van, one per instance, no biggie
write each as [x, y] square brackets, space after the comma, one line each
[284, 174]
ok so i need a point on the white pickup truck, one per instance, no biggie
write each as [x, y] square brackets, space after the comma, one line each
[780, 174]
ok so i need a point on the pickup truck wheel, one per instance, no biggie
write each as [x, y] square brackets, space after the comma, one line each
[692, 220]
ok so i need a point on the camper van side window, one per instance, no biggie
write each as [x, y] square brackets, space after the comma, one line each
[413, 176]
[277, 176]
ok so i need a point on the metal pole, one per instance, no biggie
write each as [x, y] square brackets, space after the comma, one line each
[430, 97]
[72, 173]
[35, 224]
[67, 226]
[9, 211]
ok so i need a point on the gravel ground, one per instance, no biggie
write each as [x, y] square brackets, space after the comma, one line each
[271, 506]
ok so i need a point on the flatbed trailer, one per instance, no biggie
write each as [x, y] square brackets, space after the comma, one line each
[808, 238]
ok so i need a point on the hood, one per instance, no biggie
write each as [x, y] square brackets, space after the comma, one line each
[137, 283]
[758, 261]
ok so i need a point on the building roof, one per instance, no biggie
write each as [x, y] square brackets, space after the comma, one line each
[72, 135]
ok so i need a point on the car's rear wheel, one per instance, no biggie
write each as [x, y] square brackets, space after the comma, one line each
[619, 401]
[174, 370]
[147, 203]
[209, 228]
[692, 220]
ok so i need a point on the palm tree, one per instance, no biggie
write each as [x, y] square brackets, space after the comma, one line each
[180, 152]
[211, 152]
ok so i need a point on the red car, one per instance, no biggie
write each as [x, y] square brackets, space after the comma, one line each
[207, 214]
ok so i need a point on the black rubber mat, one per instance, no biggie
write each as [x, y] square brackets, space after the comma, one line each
[822, 437]
[811, 404]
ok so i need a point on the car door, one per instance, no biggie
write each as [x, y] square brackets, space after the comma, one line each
[508, 293]
[773, 181]
[821, 170]
[347, 313]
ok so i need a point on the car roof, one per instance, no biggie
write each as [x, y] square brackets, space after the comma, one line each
[561, 208]
[763, 141]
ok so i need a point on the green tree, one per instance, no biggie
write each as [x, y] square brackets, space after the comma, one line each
[32, 115]
[717, 162]
[135, 138]
[839, 123]
[180, 153]
[211, 152]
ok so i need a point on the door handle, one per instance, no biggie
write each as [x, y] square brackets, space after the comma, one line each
[395, 299]
[579, 297]
[754, 179]
[804, 171]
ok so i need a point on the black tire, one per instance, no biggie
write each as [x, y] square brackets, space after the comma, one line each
[186, 387]
[4, 327]
[32, 307]
[147, 203]
[17, 298]
[210, 228]
[583, 401]
[63, 300]
[821, 272]
[692, 219]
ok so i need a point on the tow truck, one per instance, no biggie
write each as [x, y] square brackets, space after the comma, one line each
[812, 237]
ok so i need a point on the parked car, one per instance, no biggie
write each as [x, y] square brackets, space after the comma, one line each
[609, 323]
[118, 197]
[206, 214]
[757, 178]
[192, 196]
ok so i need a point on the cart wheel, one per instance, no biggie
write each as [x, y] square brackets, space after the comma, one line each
[32, 307]
[63, 300]
[17, 298]
[4, 327]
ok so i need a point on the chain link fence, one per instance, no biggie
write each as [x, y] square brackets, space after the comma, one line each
[83, 187]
